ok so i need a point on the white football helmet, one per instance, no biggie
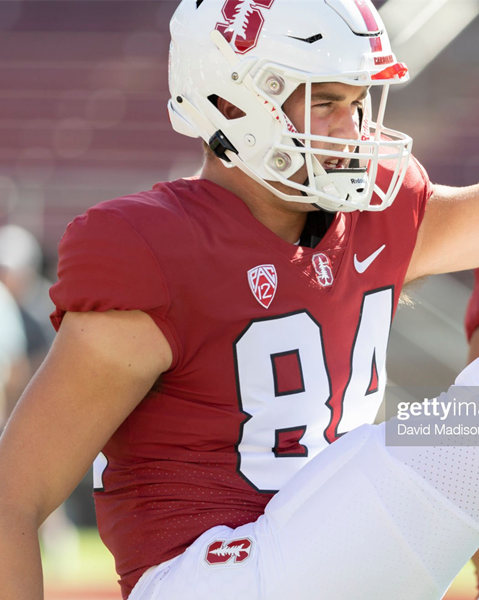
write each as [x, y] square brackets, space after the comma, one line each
[255, 54]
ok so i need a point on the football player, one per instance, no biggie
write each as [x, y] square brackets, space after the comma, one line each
[217, 334]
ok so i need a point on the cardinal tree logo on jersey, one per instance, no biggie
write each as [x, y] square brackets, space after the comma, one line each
[220, 552]
[244, 21]
[263, 282]
[323, 268]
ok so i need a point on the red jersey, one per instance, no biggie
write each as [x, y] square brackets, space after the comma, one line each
[277, 350]
[472, 313]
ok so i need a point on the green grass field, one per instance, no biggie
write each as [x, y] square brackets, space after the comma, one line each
[79, 568]
[83, 569]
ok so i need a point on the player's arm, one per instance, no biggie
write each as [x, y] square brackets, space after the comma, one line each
[99, 368]
[474, 346]
[448, 238]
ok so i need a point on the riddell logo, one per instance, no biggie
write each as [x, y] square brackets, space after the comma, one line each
[220, 552]
[244, 22]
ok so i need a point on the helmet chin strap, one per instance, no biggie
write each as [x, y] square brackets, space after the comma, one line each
[317, 224]
[306, 184]
[354, 163]
[336, 182]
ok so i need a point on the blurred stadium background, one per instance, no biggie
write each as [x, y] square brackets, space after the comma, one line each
[83, 118]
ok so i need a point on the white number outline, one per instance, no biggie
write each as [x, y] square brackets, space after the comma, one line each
[333, 409]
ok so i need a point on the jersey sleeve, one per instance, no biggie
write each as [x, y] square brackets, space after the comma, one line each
[426, 194]
[105, 264]
[472, 312]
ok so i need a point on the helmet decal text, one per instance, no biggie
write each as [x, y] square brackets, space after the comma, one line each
[244, 21]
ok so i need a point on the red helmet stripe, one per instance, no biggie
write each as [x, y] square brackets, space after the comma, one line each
[367, 15]
[376, 44]
[371, 24]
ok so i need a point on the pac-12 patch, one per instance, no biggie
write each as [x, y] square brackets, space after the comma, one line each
[263, 282]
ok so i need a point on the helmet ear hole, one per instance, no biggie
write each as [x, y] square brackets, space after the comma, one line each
[227, 109]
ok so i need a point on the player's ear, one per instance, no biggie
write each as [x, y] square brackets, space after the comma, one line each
[230, 111]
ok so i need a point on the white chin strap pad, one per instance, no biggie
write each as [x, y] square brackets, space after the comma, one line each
[342, 183]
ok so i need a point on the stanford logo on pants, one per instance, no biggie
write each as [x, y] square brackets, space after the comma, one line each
[220, 552]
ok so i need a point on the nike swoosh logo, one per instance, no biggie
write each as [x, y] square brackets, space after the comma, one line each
[362, 265]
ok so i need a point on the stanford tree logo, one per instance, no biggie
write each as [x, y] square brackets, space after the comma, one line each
[220, 553]
[243, 22]
[324, 271]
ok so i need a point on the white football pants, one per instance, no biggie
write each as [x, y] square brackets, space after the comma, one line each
[357, 522]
